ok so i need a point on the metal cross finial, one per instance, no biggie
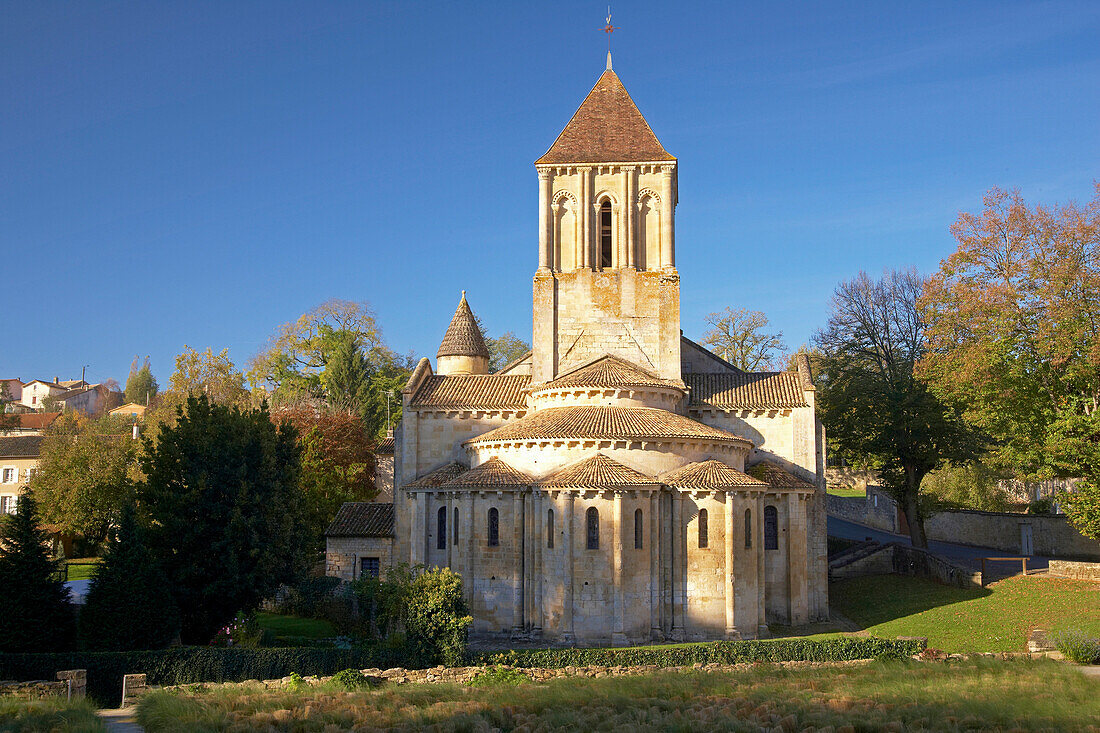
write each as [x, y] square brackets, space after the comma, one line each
[609, 29]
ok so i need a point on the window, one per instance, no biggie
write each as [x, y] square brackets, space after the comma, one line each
[704, 530]
[441, 529]
[748, 529]
[7, 505]
[494, 527]
[592, 519]
[454, 529]
[9, 475]
[637, 529]
[605, 234]
[369, 567]
[771, 528]
[550, 528]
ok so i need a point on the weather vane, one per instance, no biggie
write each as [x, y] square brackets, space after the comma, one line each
[609, 29]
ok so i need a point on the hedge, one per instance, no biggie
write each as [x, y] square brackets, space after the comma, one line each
[718, 652]
[184, 665]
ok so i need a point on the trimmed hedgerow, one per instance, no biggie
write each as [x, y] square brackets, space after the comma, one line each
[718, 652]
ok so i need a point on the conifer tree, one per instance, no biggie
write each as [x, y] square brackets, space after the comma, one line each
[129, 605]
[346, 376]
[35, 613]
[141, 385]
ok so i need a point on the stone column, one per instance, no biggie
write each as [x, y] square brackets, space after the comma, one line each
[567, 610]
[538, 542]
[628, 215]
[585, 241]
[545, 242]
[517, 561]
[679, 565]
[471, 547]
[761, 574]
[730, 580]
[654, 566]
[449, 542]
[796, 558]
[618, 635]
[668, 256]
[418, 546]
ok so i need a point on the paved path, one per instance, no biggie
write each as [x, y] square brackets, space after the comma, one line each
[121, 720]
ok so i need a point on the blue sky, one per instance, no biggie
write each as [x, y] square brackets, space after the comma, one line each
[200, 172]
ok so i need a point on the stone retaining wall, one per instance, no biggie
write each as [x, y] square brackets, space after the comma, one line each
[1051, 535]
[1079, 570]
[876, 510]
[906, 560]
[33, 689]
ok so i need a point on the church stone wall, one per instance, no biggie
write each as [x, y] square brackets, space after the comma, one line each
[342, 554]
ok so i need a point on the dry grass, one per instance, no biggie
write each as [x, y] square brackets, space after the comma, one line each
[48, 714]
[972, 695]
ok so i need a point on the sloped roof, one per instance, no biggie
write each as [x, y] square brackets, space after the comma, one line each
[385, 446]
[627, 423]
[775, 475]
[609, 371]
[606, 128]
[597, 472]
[21, 446]
[747, 390]
[463, 337]
[486, 391]
[438, 477]
[494, 472]
[36, 420]
[712, 474]
[362, 519]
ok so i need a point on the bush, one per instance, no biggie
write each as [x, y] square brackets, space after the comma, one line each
[351, 680]
[436, 621]
[495, 676]
[1077, 646]
[718, 652]
[309, 598]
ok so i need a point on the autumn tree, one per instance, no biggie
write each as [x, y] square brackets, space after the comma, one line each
[742, 338]
[1014, 336]
[871, 400]
[198, 373]
[141, 385]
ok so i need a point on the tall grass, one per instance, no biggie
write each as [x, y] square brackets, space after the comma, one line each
[48, 714]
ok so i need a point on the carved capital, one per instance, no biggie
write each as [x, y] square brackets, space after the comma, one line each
[667, 168]
[544, 173]
[626, 168]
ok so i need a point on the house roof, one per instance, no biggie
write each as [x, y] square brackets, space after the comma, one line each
[606, 128]
[362, 519]
[608, 371]
[385, 446]
[596, 472]
[775, 475]
[494, 472]
[36, 420]
[711, 474]
[21, 446]
[747, 390]
[438, 477]
[624, 423]
[463, 337]
[484, 391]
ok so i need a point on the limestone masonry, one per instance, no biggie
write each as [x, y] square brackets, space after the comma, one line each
[620, 483]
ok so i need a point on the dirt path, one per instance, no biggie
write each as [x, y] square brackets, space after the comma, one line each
[121, 720]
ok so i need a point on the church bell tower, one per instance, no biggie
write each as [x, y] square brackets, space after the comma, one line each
[607, 280]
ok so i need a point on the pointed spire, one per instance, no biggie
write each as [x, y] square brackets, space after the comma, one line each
[463, 337]
[609, 61]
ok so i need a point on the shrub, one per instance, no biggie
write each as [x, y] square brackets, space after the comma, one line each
[499, 676]
[244, 631]
[351, 679]
[436, 621]
[1077, 646]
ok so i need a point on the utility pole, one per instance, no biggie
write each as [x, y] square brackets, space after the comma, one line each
[82, 371]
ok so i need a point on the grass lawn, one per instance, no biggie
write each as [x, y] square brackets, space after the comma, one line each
[33, 716]
[81, 568]
[997, 618]
[308, 628]
[847, 491]
[900, 695]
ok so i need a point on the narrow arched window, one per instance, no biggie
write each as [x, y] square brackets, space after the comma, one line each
[748, 529]
[441, 529]
[550, 528]
[593, 521]
[771, 528]
[605, 234]
[494, 527]
[637, 529]
[454, 528]
[704, 531]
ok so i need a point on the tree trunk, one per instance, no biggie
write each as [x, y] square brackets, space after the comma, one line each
[911, 507]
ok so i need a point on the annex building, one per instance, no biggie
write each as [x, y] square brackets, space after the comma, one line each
[620, 483]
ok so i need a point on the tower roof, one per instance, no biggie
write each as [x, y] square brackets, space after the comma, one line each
[597, 472]
[606, 128]
[463, 337]
[711, 474]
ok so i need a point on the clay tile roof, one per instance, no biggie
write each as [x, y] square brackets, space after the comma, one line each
[463, 337]
[778, 477]
[624, 423]
[606, 128]
[597, 472]
[21, 446]
[362, 519]
[37, 420]
[438, 477]
[747, 390]
[609, 371]
[494, 472]
[484, 391]
[710, 474]
[385, 446]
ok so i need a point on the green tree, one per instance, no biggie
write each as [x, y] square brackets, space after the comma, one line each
[35, 613]
[504, 350]
[437, 621]
[141, 385]
[129, 604]
[872, 402]
[8, 420]
[85, 471]
[346, 376]
[225, 513]
[742, 338]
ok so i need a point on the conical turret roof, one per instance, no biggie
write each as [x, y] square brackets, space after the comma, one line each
[463, 337]
[596, 472]
[606, 128]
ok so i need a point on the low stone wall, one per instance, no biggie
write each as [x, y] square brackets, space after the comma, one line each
[876, 510]
[1078, 570]
[33, 689]
[905, 560]
[1051, 535]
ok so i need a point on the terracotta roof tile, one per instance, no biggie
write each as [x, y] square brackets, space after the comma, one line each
[21, 446]
[485, 391]
[778, 477]
[494, 472]
[629, 423]
[606, 128]
[609, 371]
[463, 337]
[438, 477]
[362, 519]
[747, 390]
[385, 446]
[710, 474]
[597, 472]
[36, 420]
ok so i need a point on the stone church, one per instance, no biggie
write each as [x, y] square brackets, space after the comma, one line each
[619, 483]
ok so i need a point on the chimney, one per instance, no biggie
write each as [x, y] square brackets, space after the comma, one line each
[56, 380]
[137, 431]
